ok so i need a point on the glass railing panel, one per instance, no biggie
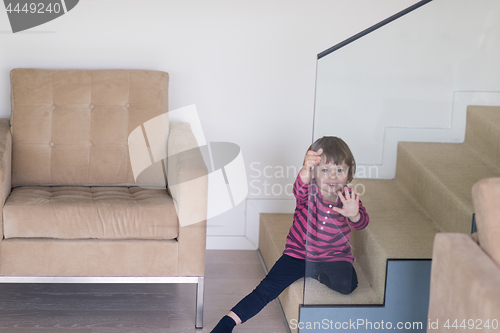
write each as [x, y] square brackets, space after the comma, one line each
[401, 75]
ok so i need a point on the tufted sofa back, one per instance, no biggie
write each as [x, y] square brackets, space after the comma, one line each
[71, 127]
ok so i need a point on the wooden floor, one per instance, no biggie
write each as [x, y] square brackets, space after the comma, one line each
[126, 308]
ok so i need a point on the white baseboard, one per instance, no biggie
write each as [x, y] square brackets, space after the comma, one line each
[250, 241]
[229, 243]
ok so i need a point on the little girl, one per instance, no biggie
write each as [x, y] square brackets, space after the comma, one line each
[318, 242]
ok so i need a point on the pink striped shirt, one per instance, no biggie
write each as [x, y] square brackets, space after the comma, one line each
[328, 233]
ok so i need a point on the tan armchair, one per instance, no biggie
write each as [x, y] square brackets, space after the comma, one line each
[465, 277]
[72, 210]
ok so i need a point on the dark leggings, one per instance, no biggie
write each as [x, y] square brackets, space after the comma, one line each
[337, 275]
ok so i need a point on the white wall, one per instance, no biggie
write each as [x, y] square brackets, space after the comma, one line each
[411, 81]
[249, 66]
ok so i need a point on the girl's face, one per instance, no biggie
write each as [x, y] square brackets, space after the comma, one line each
[330, 178]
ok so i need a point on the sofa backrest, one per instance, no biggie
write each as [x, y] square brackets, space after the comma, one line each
[486, 200]
[71, 127]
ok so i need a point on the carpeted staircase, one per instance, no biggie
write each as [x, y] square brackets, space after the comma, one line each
[431, 193]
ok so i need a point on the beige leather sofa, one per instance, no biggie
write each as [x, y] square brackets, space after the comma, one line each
[72, 209]
[465, 278]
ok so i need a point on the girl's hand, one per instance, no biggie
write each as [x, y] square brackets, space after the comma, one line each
[350, 205]
[312, 159]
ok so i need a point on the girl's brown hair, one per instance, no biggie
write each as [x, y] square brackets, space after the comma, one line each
[336, 151]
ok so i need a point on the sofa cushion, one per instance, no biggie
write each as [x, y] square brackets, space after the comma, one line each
[89, 212]
[71, 127]
[486, 199]
[88, 257]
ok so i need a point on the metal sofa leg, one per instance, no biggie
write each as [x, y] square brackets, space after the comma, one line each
[200, 290]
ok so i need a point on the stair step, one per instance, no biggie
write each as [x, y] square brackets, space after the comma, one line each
[272, 236]
[398, 229]
[483, 131]
[273, 231]
[439, 176]
[402, 229]
[317, 293]
[406, 298]
[272, 240]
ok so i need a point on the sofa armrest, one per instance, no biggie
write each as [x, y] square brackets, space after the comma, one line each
[187, 177]
[485, 197]
[5, 164]
[465, 282]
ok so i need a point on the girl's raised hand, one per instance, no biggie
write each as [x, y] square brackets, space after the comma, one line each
[312, 159]
[350, 204]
